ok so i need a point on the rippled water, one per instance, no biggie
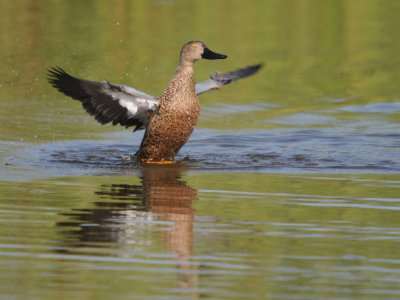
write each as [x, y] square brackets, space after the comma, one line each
[167, 236]
[370, 145]
[220, 223]
[289, 187]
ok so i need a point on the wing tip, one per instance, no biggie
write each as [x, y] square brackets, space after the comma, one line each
[55, 75]
[56, 72]
[233, 76]
[252, 69]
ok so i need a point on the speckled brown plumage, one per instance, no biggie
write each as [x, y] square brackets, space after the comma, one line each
[171, 125]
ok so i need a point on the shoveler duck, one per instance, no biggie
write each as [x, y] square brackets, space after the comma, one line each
[169, 120]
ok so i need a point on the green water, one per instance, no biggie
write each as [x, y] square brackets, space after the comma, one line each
[288, 189]
[201, 235]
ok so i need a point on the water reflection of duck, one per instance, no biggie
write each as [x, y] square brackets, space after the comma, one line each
[123, 214]
[169, 120]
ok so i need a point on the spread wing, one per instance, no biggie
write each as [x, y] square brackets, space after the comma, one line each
[124, 105]
[217, 80]
[107, 102]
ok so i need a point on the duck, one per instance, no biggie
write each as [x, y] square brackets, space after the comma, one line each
[169, 120]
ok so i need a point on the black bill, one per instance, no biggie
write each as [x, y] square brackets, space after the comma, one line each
[208, 54]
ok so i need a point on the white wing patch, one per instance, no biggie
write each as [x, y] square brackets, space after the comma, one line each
[136, 102]
[137, 105]
[131, 107]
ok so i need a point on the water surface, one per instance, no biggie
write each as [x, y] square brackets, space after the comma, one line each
[219, 235]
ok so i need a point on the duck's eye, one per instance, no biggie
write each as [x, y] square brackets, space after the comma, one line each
[193, 46]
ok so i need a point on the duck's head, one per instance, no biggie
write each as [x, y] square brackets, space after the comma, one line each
[196, 50]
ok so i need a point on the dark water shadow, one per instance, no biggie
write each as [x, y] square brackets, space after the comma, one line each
[162, 199]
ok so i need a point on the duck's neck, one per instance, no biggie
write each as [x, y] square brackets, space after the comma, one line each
[182, 83]
[185, 69]
[185, 75]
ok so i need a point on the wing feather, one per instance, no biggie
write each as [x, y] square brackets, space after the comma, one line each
[107, 102]
[123, 105]
[218, 80]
